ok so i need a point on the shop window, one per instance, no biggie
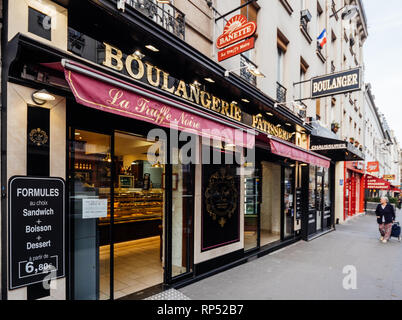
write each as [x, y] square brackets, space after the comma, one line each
[39, 24]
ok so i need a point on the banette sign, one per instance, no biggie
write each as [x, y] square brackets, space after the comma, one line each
[236, 29]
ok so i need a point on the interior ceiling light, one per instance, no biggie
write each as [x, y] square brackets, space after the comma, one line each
[163, 1]
[157, 165]
[245, 100]
[152, 48]
[234, 102]
[42, 96]
[279, 125]
[270, 114]
[209, 80]
[288, 124]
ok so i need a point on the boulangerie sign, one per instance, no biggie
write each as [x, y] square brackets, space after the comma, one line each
[100, 95]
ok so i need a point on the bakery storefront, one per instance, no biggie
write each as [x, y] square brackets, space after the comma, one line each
[159, 168]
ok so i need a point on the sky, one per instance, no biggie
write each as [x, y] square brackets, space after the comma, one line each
[383, 59]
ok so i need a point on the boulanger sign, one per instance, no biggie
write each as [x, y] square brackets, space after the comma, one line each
[336, 83]
[36, 230]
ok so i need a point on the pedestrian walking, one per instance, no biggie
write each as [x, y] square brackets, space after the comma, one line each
[385, 218]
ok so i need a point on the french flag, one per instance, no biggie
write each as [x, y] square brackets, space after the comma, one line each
[322, 38]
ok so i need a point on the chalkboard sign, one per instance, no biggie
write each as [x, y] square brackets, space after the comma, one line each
[36, 230]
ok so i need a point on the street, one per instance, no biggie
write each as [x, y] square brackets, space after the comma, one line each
[314, 270]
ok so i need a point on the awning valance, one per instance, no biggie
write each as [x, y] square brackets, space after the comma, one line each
[373, 182]
[104, 92]
[287, 150]
[335, 149]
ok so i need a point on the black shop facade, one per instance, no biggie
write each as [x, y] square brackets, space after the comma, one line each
[135, 223]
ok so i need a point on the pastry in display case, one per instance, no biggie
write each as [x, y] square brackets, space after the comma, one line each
[134, 205]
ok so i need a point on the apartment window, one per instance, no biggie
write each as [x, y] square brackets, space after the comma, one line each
[319, 8]
[303, 70]
[250, 11]
[282, 44]
[318, 109]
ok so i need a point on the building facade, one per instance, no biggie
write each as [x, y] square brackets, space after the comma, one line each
[135, 76]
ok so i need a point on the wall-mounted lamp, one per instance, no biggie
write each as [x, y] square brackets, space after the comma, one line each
[250, 68]
[349, 12]
[42, 96]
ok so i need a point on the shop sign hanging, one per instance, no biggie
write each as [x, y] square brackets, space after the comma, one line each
[36, 230]
[389, 177]
[336, 83]
[373, 166]
[236, 49]
[236, 29]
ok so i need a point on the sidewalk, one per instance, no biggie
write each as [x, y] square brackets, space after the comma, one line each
[314, 270]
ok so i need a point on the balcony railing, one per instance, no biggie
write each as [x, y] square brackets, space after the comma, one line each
[280, 93]
[302, 113]
[244, 73]
[166, 15]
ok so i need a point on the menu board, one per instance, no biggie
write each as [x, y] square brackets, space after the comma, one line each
[298, 204]
[36, 230]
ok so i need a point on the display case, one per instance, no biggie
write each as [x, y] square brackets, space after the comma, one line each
[137, 214]
[130, 204]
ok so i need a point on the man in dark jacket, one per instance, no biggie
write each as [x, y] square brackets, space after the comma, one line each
[385, 217]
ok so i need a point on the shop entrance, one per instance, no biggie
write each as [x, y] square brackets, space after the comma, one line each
[118, 201]
[121, 202]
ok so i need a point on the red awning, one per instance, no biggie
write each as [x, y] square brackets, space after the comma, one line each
[376, 183]
[101, 91]
[288, 150]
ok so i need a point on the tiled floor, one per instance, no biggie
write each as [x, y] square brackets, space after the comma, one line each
[266, 237]
[137, 266]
